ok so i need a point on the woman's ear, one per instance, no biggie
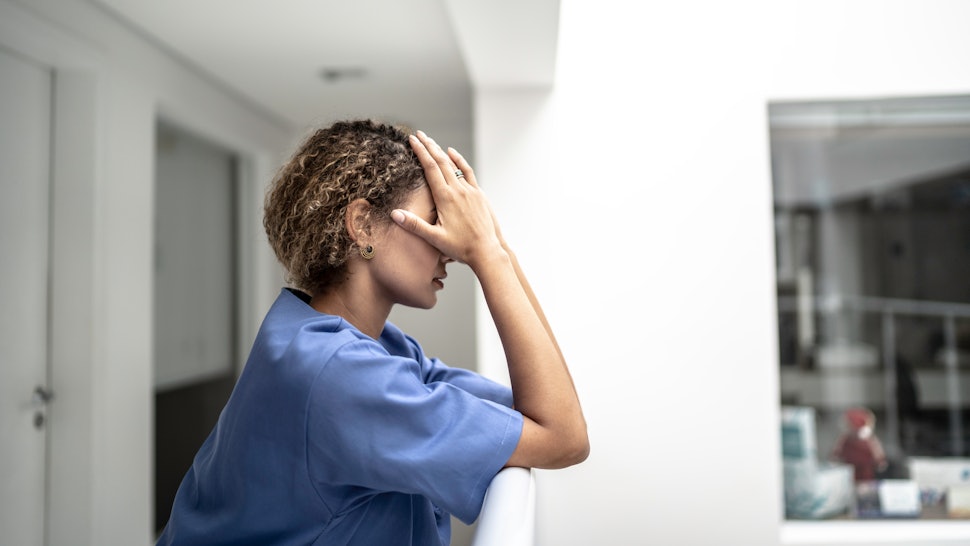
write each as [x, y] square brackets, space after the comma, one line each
[358, 221]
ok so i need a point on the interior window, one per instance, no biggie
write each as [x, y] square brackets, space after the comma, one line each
[872, 234]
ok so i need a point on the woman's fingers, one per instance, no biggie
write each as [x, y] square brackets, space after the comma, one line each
[432, 172]
[469, 176]
[467, 173]
[446, 165]
[451, 165]
[416, 225]
[465, 230]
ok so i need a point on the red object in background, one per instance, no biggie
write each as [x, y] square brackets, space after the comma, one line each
[859, 446]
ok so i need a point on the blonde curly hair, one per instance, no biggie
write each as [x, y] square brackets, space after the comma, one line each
[307, 200]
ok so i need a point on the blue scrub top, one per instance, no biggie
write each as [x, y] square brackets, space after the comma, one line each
[331, 437]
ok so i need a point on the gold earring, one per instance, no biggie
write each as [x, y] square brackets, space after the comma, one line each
[367, 252]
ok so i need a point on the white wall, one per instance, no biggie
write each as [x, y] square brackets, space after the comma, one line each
[637, 194]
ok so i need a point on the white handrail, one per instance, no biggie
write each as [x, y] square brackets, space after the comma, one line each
[509, 511]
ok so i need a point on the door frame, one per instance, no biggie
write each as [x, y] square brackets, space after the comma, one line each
[71, 326]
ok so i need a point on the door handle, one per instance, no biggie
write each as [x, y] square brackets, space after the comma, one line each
[42, 396]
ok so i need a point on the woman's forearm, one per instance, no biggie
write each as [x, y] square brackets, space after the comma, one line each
[535, 305]
[554, 432]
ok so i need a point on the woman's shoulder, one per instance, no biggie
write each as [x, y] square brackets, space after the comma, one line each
[291, 315]
[398, 343]
[293, 331]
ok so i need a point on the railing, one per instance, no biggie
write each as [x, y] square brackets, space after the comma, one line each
[508, 513]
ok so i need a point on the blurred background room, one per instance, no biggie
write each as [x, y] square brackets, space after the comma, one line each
[748, 222]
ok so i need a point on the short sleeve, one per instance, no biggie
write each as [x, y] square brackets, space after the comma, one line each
[469, 381]
[380, 421]
[398, 343]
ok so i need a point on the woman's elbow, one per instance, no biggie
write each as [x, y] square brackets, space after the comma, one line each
[551, 448]
[583, 452]
[573, 452]
[581, 449]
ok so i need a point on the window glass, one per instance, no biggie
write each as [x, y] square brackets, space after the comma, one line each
[872, 234]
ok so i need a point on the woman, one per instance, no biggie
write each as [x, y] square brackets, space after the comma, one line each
[340, 430]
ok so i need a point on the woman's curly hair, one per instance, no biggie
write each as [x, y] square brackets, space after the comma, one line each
[307, 201]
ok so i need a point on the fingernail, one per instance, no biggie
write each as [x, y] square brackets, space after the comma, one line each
[397, 216]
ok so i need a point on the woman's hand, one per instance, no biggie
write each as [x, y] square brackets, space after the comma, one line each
[553, 426]
[466, 231]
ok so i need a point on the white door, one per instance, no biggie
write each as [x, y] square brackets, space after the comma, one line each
[25, 120]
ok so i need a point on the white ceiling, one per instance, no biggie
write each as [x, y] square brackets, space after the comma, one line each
[407, 61]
